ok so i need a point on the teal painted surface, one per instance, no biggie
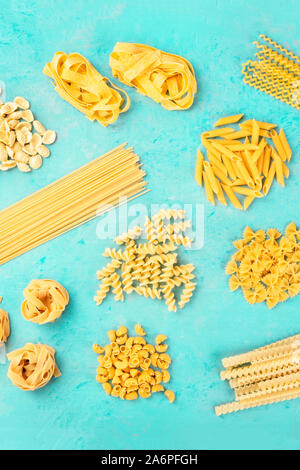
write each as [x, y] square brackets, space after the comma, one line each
[73, 411]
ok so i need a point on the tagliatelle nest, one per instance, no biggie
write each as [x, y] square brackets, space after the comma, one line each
[32, 366]
[45, 301]
[4, 326]
[266, 265]
[79, 83]
[166, 78]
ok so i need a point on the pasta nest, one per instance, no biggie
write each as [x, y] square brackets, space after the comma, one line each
[79, 83]
[45, 301]
[32, 366]
[166, 78]
[4, 326]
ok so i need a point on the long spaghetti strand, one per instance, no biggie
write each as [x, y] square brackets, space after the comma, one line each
[76, 198]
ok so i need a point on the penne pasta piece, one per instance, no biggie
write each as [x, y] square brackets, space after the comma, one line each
[220, 195]
[286, 170]
[262, 125]
[199, 168]
[278, 168]
[218, 132]
[208, 189]
[229, 120]
[238, 182]
[211, 177]
[262, 132]
[241, 147]
[255, 132]
[219, 174]
[259, 151]
[228, 164]
[244, 173]
[253, 167]
[238, 134]
[269, 179]
[216, 163]
[285, 145]
[278, 145]
[225, 151]
[248, 201]
[232, 197]
[246, 191]
[266, 162]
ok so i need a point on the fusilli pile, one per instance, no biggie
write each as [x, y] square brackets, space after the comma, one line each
[150, 269]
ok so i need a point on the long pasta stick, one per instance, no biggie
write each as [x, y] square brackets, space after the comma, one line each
[94, 162]
[64, 185]
[73, 210]
[75, 224]
[80, 192]
[254, 402]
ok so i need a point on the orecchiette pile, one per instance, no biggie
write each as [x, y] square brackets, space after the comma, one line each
[23, 139]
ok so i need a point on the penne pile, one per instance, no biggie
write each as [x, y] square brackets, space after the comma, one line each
[263, 376]
[242, 163]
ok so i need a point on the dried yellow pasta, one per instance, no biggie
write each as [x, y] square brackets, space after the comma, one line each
[266, 265]
[265, 375]
[150, 269]
[250, 164]
[4, 326]
[166, 78]
[275, 71]
[132, 368]
[229, 120]
[79, 83]
[45, 301]
[78, 197]
[32, 366]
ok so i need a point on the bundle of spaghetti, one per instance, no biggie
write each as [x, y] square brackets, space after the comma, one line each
[242, 162]
[150, 268]
[87, 192]
[275, 71]
[266, 265]
[264, 375]
[166, 78]
[79, 83]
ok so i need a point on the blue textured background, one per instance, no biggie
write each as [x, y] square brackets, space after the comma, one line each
[73, 411]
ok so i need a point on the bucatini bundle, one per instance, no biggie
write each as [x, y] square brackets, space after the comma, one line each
[265, 375]
[70, 201]
[166, 78]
